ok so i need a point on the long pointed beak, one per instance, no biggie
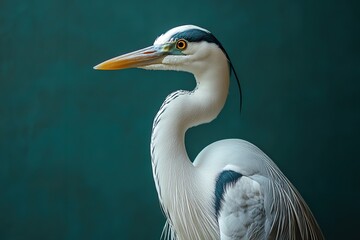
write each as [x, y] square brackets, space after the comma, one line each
[139, 58]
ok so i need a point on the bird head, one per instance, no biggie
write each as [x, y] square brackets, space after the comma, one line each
[185, 48]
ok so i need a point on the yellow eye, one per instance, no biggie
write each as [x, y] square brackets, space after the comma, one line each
[181, 44]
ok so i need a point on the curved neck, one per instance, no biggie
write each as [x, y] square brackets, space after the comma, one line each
[177, 180]
[182, 110]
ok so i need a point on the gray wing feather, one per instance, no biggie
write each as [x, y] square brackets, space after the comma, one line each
[286, 215]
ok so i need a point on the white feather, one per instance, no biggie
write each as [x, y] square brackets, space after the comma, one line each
[263, 204]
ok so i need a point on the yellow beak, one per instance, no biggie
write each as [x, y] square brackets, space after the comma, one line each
[139, 58]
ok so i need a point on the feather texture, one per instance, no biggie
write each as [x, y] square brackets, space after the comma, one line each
[232, 190]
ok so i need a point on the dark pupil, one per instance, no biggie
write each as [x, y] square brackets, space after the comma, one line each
[181, 44]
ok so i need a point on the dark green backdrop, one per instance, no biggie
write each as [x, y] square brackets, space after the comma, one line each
[74, 142]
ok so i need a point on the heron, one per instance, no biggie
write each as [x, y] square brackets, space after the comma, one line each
[232, 189]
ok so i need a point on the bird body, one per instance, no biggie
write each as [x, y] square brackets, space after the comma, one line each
[232, 190]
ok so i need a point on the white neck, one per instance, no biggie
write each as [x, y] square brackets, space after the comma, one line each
[179, 184]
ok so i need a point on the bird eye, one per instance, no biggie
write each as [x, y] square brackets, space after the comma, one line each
[181, 44]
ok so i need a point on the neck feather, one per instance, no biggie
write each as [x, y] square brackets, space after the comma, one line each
[177, 181]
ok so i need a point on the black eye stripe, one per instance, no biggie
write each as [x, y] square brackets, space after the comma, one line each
[197, 35]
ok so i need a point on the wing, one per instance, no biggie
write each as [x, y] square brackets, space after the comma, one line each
[253, 198]
[241, 213]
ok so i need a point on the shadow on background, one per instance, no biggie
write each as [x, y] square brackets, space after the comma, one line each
[74, 142]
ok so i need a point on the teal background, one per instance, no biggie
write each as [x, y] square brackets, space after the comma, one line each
[74, 142]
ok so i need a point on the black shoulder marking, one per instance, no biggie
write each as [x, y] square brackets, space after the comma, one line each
[224, 179]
